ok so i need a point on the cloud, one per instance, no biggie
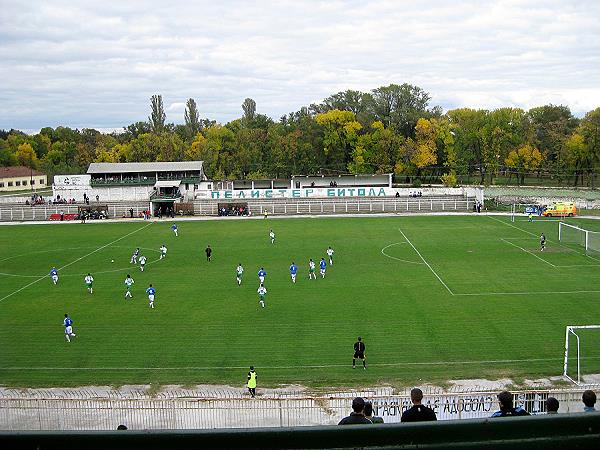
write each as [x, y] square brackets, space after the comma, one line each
[96, 63]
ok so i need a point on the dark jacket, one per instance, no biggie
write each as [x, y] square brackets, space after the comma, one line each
[354, 419]
[418, 413]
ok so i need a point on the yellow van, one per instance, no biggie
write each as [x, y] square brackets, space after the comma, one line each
[561, 210]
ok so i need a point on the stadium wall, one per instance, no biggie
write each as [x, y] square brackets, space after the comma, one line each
[45, 410]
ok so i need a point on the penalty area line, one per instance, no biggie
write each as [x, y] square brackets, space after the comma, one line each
[426, 263]
[75, 261]
[309, 366]
[527, 251]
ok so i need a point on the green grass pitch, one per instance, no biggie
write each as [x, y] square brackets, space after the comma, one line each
[434, 298]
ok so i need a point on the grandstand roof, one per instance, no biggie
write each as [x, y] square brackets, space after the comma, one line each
[177, 166]
[17, 171]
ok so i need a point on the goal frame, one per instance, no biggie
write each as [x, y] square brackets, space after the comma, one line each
[562, 224]
[571, 329]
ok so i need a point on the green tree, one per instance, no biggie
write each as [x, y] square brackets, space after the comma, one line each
[192, 119]
[249, 108]
[400, 106]
[157, 116]
[589, 128]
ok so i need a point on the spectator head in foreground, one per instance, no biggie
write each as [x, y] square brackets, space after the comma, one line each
[416, 396]
[358, 405]
[122, 427]
[418, 412]
[369, 413]
[589, 400]
[357, 416]
[552, 405]
[505, 399]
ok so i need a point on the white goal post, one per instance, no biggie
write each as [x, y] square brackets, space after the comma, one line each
[572, 329]
[571, 234]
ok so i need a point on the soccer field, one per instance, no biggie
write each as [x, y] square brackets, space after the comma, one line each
[434, 298]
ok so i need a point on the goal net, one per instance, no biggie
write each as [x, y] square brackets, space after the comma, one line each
[582, 353]
[588, 240]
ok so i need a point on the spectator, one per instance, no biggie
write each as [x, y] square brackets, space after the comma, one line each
[419, 412]
[369, 413]
[505, 399]
[589, 400]
[97, 198]
[131, 212]
[122, 427]
[357, 415]
[551, 406]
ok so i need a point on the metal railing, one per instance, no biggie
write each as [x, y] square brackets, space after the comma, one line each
[77, 410]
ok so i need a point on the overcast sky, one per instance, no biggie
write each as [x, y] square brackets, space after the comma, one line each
[96, 63]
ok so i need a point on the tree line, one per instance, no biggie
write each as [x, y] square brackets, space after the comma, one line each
[390, 129]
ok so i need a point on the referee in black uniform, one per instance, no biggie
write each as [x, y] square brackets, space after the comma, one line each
[359, 352]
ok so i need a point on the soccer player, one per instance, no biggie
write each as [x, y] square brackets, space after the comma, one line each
[54, 275]
[89, 279]
[272, 236]
[359, 352]
[330, 255]
[261, 275]
[293, 271]
[151, 291]
[142, 262]
[134, 257]
[208, 252]
[239, 271]
[323, 267]
[262, 291]
[542, 242]
[128, 283]
[68, 323]
[174, 228]
[163, 252]
[311, 270]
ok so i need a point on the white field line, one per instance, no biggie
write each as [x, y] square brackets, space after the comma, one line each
[398, 259]
[527, 251]
[529, 293]
[73, 262]
[310, 366]
[515, 227]
[426, 263]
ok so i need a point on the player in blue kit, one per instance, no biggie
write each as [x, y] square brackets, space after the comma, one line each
[54, 275]
[151, 291]
[261, 275]
[68, 323]
[174, 228]
[323, 266]
[293, 271]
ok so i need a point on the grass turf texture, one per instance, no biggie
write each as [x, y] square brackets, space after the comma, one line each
[206, 329]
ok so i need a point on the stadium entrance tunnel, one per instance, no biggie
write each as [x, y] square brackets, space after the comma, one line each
[562, 431]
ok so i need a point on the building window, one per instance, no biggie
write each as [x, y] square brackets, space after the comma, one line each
[32, 182]
[1, 185]
[10, 183]
[24, 182]
[41, 181]
[17, 183]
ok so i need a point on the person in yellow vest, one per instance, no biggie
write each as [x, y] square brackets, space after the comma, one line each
[252, 382]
